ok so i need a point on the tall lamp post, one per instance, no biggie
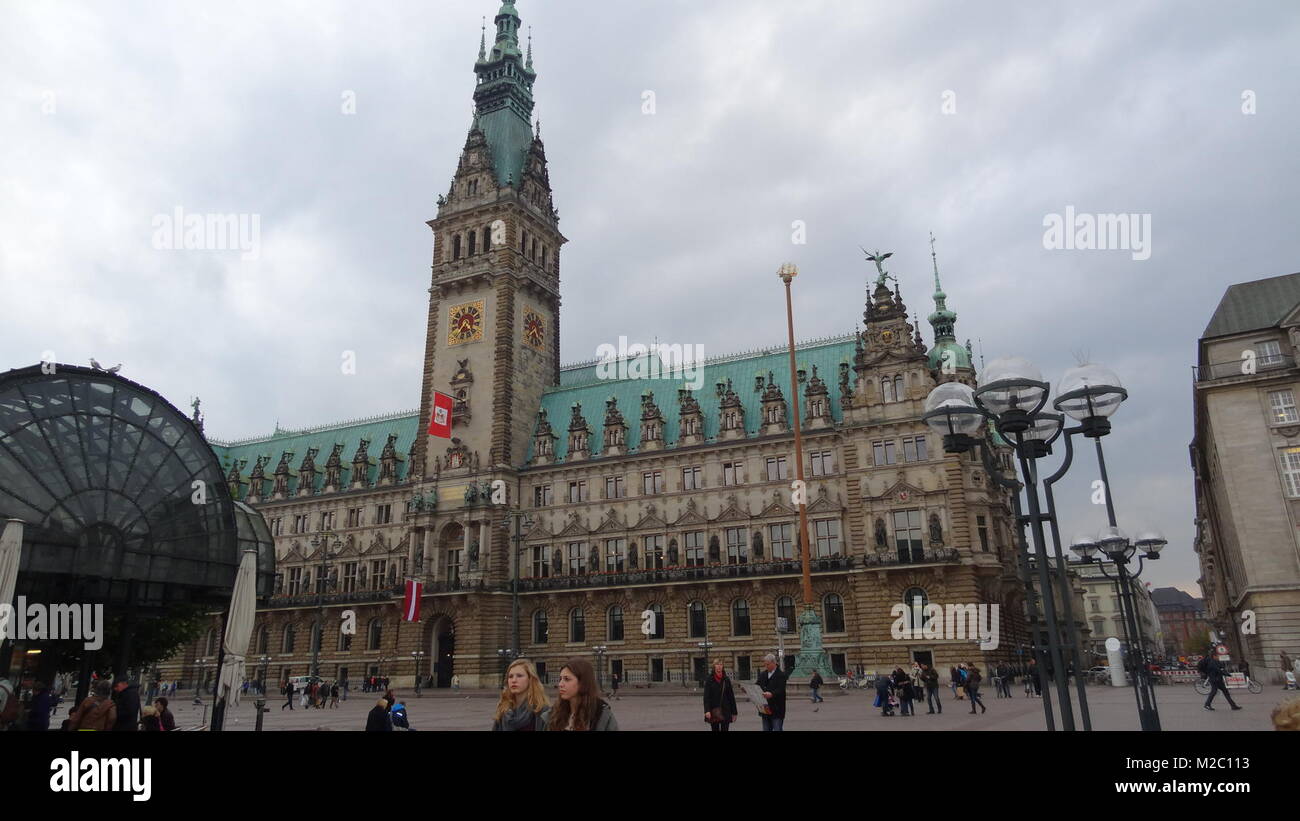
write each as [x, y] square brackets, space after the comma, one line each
[200, 665]
[1012, 396]
[264, 662]
[507, 655]
[600, 650]
[812, 656]
[323, 580]
[522, 522]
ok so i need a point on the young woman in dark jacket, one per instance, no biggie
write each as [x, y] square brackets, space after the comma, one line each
[903, 687]
[973, 679]
[719, 699]
[523, 706]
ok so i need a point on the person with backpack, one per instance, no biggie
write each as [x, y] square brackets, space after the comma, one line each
[1212, 669]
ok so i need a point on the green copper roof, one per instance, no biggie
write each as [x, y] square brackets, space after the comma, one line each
[503, 98]
[944, 323]
[349, 434]
[582, 384]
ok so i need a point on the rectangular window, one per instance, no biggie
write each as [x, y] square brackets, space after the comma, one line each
[1282, 407]
[300, 523]
[615, 555]
[737, 551]
[614, 487]
[907, 535]
[355, 517]
[542, 496]
[982, 527]
[694, 542]
[914, 449]
[1269, 353]
[541, 565]
[1291, 471]
[377, 570]
[776, 468]
[656, 669]
[654, 552]
[577, 558]
[350, 577]
[275, 526]
[691, 479]
[453, 567]
[823, 462]
[827, 537]
[383, 514]
[577, 491]
[652, 482]
[743, 671]
[733, 473]
[883, 453]
[779, 537]
[295, 581]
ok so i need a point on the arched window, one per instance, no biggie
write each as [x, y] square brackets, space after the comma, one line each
[455, 247]
[915, 600]
[541, 631]
[658, 621]
[210, 643]
[523, 242]
[286, 639]
[740, 618]
[899, 393]
[833, 613]
[699, 626]
[785, 610]
[614, 623]
[263, 640]
[473, 243]
[345, 642]
[374, 633]
[577, 625]
[315, 637]
[887, 389]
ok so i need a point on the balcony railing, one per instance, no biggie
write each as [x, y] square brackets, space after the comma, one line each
[935, 555]
[682, 574]
[1241, 367]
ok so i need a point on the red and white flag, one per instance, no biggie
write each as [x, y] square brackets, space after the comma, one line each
[440, 424]
[411, 604]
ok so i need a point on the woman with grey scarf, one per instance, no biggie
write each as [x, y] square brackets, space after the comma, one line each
[523, 706]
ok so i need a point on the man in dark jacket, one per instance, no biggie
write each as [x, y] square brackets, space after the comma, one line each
[1214, 672]
[127, 697]
[772, 682]
[815, 685]
[930, 678]
[378, 720]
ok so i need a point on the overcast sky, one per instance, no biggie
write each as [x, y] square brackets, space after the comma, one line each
[766, 112]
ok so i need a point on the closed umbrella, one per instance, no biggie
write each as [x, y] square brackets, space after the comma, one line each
[239, 628]
[11, 552]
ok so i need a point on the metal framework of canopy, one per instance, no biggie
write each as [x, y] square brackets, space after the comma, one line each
[124, 501]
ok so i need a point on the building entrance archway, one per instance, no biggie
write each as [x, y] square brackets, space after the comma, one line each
[442, 649]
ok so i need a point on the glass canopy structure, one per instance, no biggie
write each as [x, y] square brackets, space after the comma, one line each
[122, 498]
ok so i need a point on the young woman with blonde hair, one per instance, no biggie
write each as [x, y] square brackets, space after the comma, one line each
[580, 706]
[523, 705]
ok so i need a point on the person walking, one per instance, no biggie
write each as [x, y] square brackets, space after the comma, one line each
[97, 712]
[523, 706]
[973, 689]
[930, 680]
[127, 697]
[719, 700]
[772, 682]
[955, 682]
[288, 695]
[166, 721]
[1213, 669]
[815, 686]
[1032, 679]
[1004, 680]
[615, 680]
[580, 706]
[378, 719]
[334, 695]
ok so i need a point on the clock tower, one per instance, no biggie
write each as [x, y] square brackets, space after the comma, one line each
[493, 340]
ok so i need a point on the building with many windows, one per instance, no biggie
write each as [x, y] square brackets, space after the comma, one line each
[1246, 459]
[660, 524]
[1182, 618]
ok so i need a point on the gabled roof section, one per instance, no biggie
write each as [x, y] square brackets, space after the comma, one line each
[1252, 306]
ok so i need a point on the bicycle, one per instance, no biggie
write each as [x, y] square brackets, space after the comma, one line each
[1203, 686]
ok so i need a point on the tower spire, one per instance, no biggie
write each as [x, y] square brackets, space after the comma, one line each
[946, 353]
[482, 41]
[529, 64]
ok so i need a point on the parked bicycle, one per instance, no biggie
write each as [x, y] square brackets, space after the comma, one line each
[1203, 686]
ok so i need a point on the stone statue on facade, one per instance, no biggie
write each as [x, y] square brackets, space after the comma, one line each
[473, 555]
[471, 493]
[936, 530]
[881, 536]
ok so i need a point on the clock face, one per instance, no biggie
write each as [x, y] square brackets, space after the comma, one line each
[465, 323]
[534, 329]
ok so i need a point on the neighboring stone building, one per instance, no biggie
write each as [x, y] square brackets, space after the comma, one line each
[1102, 609]
[1182, 616]
[643, 493]
[1246, 457]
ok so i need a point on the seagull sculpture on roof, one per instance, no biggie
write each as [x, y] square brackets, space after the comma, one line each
[95, 364]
